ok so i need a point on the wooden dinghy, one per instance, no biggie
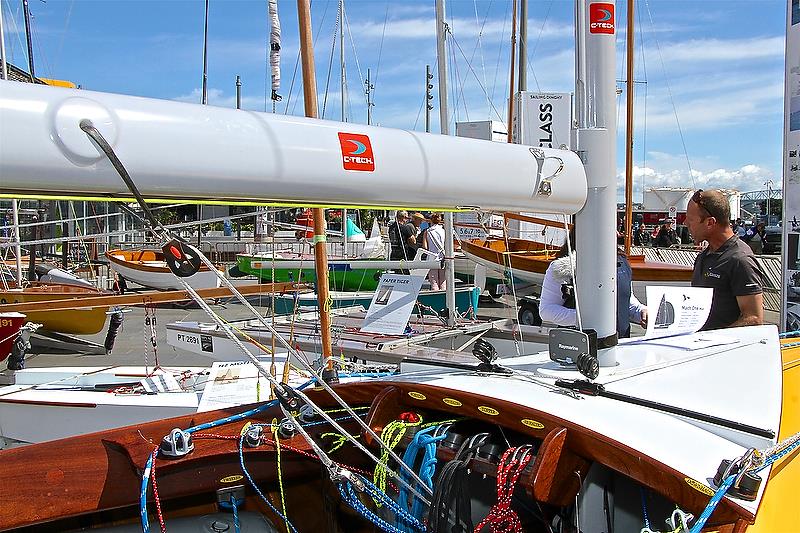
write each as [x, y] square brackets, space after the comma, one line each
[75, 321]
[576, 458]
[148, 268]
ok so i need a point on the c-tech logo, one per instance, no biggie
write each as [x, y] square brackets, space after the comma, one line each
[356, 152]
[601, 18]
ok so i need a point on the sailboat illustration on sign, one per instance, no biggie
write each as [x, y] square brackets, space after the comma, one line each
[665, 316]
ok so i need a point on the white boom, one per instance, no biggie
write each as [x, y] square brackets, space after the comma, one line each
[187, 151]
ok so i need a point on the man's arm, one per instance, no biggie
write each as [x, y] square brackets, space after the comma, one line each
[751, 310]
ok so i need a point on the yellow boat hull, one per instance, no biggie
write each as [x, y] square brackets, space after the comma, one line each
[71, 321]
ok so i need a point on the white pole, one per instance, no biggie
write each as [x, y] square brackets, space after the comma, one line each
[596, 135]
[441, 55]
[17, 246]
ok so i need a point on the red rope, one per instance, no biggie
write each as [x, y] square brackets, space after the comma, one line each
[155, 492]
[502, 518]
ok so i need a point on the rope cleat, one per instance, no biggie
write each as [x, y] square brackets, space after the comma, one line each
[252, 437]
[177, 444]
[747, 483]
[287, 429]
[307, 414]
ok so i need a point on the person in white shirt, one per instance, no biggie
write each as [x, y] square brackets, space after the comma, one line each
[557, 302]
[434, 243]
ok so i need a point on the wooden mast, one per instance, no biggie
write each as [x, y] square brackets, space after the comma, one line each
[629, 133]
[320, 250]
[513, 65]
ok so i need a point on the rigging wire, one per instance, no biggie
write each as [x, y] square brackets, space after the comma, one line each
[499, 56]
[536, 45]
[330, 65]
[380, 52]
[671, 99]
[479, 46]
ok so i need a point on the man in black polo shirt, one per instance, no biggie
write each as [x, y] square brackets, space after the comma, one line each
[727, 265]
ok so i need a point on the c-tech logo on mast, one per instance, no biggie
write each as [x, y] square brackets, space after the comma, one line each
[356, 152]
[601, 18]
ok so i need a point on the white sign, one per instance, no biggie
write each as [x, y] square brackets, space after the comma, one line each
[673, 211]
[392, 304]
[469, 232]
[542, 119]
[232, 383]
[676, 310]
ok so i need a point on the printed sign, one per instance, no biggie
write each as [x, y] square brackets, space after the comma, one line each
[601, 18]
[392, 304]
[356, 152]
[542, 119]
[676, 310]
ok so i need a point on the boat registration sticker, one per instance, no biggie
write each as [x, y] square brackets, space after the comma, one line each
[700, 487]
[452, 402]
[488, 410]
[532, 423]
[417, 395]
[231, 479]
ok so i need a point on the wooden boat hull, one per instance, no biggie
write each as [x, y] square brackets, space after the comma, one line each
[147, 268]
[528, 261]
[10, 323]
[79, 321]
[97, 477]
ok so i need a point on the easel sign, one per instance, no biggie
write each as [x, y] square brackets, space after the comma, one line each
[392, 304]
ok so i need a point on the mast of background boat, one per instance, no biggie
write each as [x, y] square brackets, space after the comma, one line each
[522, 84]
[27, 15]
[320, 251]
[14, 203]
[596, 139]
[441, 60]
[513, 65]
[204, 101]
[629, 132]
[343, 86]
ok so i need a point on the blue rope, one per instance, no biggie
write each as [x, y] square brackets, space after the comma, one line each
[644, 508]
[422, 441]
[726, 484]
[242, 416]
[143, 494]
[350, 497]
[255, 487]
[789, 334]
[233, 505]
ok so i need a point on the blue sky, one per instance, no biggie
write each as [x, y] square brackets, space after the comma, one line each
[716, 65]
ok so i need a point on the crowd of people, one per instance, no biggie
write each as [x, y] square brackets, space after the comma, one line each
[407, 234]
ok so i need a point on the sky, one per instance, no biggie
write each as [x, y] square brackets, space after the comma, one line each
[708, 99]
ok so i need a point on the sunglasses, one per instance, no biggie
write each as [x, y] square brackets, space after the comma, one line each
[697, 198]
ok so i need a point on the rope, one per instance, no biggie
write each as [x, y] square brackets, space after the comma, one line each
[773, 454]
[450, 499]
[392, 433]
[425, 442]
[261, 495]
[280, 474]
[502, 518]
[381, 498]
[233, 505]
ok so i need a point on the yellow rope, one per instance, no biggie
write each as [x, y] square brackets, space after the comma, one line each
[391, 435]
[280, 475]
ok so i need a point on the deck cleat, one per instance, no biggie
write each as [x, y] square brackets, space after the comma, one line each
[177, 444]
[252, 437]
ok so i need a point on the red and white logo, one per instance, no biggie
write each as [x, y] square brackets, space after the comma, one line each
[356, 152]
[601, 18]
